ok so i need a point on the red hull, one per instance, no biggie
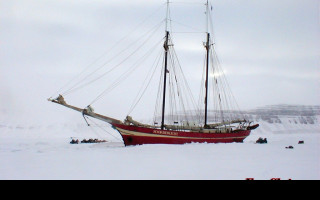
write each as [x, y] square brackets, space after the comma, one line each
[133, 135]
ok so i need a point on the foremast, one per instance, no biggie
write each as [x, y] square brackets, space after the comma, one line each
[207, 46]
[166, 49]
[207, 81]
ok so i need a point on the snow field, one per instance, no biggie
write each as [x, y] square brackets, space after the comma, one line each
[41, 153]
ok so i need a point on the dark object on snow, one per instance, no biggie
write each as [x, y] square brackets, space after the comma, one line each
[301, 142]
[92, 141]
[289, 147]
[262, 141]
[73, 141]
[253, 127]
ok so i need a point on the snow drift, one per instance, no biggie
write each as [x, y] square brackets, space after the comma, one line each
[42, 151]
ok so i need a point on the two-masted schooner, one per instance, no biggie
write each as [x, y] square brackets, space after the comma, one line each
[229, 127]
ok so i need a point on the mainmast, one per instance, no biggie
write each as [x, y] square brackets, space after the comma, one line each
[207, 46]
[166, 49]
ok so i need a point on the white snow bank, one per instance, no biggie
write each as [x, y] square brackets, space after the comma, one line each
[42, 151]
[38, 154]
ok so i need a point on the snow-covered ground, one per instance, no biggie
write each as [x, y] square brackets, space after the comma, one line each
[44, 152]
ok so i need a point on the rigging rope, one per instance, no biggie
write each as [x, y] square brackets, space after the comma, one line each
[137, 99]
[73, 89]
[107, 51]
[125, 74]
[99, 126]
[179, 97]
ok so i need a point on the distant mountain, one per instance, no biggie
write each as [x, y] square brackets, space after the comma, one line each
[299, 114]
[286, 118]
[277, 118]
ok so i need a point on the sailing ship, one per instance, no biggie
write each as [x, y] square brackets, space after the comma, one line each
[180, 129]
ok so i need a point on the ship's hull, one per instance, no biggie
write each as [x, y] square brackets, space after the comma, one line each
[133, 135]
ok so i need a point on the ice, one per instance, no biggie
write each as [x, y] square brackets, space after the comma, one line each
[43, 152]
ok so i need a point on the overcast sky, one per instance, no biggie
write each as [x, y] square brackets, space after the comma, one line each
[270, 49]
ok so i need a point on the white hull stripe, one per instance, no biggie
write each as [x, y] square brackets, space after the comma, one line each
[134, 133]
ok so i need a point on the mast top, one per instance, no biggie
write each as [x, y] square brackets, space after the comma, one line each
[207, 16]
[167, 16]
